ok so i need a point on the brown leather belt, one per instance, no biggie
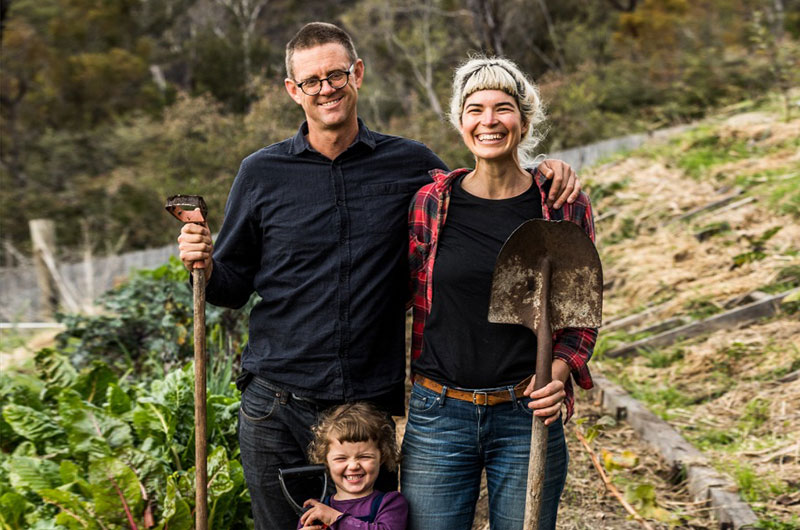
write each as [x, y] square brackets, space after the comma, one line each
[475, 397]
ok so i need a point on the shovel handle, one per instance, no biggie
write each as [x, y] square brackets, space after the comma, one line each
[544, 374]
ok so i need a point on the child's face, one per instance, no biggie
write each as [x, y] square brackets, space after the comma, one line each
[354, 467]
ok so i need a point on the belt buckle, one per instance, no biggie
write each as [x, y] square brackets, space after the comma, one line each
[485, 398]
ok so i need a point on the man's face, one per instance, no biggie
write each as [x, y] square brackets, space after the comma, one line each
[331, 109]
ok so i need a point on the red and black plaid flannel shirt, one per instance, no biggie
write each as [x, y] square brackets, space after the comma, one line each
[426, 217]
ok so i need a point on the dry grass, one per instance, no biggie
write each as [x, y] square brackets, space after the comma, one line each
[723, 390]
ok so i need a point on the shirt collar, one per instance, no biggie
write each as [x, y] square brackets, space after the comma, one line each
[300, 143]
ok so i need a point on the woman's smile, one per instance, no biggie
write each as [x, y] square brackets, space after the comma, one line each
[491, 124]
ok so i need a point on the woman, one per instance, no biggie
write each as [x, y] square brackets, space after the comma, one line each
[472, 399]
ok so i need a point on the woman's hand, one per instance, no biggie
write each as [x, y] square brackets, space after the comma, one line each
[565, 186]
[320, 515]
[547, 401]
[195, 244]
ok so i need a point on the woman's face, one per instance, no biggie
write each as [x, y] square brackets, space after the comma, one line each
[491, 124]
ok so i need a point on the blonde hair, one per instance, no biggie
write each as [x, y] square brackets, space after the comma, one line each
[498, 73]
[355, 422]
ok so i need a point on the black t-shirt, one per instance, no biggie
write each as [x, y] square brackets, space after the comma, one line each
[461, 347]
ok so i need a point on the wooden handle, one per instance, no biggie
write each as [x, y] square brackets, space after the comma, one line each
[544, 374]
[200, 443]
[537, 461]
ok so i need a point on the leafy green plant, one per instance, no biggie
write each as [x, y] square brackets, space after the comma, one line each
[755, 488]
[710, 230]
[706, 149]
[737, 350]
[713, 438]
[757, 248]
[593, 430]
[662, 358]
[787, 278]
[771, 523]
[643, 497]
[98, 452]
[109, 444]
[147, 325]
[658, 398]
[627, 230]
[756, 413]
[701, 308]
[601, 190]
[785, 197]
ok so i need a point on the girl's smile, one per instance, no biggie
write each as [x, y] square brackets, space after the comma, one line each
[354, 467]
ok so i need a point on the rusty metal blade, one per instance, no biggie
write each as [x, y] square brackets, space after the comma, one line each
[183, 208]
[576, 284]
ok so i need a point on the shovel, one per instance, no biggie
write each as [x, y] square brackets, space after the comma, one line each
[547, 277]
[192, 209]
[314, 471]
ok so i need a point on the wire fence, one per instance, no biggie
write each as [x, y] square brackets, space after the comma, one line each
[19, 291]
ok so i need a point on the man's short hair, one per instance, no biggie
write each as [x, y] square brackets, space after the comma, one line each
[317, 34]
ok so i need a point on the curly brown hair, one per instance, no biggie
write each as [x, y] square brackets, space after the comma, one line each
[355, 422]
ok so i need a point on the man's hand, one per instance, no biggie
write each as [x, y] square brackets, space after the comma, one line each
[547, 400]
[195, 244]
[319, 513]
[566, 185]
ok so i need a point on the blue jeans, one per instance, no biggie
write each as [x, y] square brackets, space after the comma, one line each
[446, 445]
[274, 432]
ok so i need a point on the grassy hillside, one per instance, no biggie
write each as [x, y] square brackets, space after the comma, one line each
[732, 393]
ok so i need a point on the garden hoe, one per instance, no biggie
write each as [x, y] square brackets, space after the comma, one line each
[547, 277]
[192, 209]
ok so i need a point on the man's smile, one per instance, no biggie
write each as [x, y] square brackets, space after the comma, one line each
[330, 102]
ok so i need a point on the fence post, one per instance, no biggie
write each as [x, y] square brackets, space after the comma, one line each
[43, 235]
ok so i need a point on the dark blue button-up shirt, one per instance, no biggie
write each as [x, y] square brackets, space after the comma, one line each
[324, 243]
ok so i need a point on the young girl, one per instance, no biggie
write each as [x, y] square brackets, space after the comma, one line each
[353, 440]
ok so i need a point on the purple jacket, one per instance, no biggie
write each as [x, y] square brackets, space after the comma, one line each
[392, 513]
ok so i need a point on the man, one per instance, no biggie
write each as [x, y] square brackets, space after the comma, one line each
[316, 225]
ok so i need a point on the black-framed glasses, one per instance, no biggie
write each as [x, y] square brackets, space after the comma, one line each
[336, 79]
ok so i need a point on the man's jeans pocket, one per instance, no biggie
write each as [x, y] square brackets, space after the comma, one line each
[258, 403]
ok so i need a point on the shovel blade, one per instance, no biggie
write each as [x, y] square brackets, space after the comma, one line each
[576, 283]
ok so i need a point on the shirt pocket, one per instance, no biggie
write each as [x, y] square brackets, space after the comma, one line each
[385, 206]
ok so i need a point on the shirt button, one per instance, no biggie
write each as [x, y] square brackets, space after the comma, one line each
[339, 202]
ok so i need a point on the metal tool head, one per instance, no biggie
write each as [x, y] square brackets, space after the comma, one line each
[303, 475]
[576, 283]
[185, 208]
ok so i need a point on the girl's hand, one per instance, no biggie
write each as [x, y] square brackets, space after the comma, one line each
[319, 513]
